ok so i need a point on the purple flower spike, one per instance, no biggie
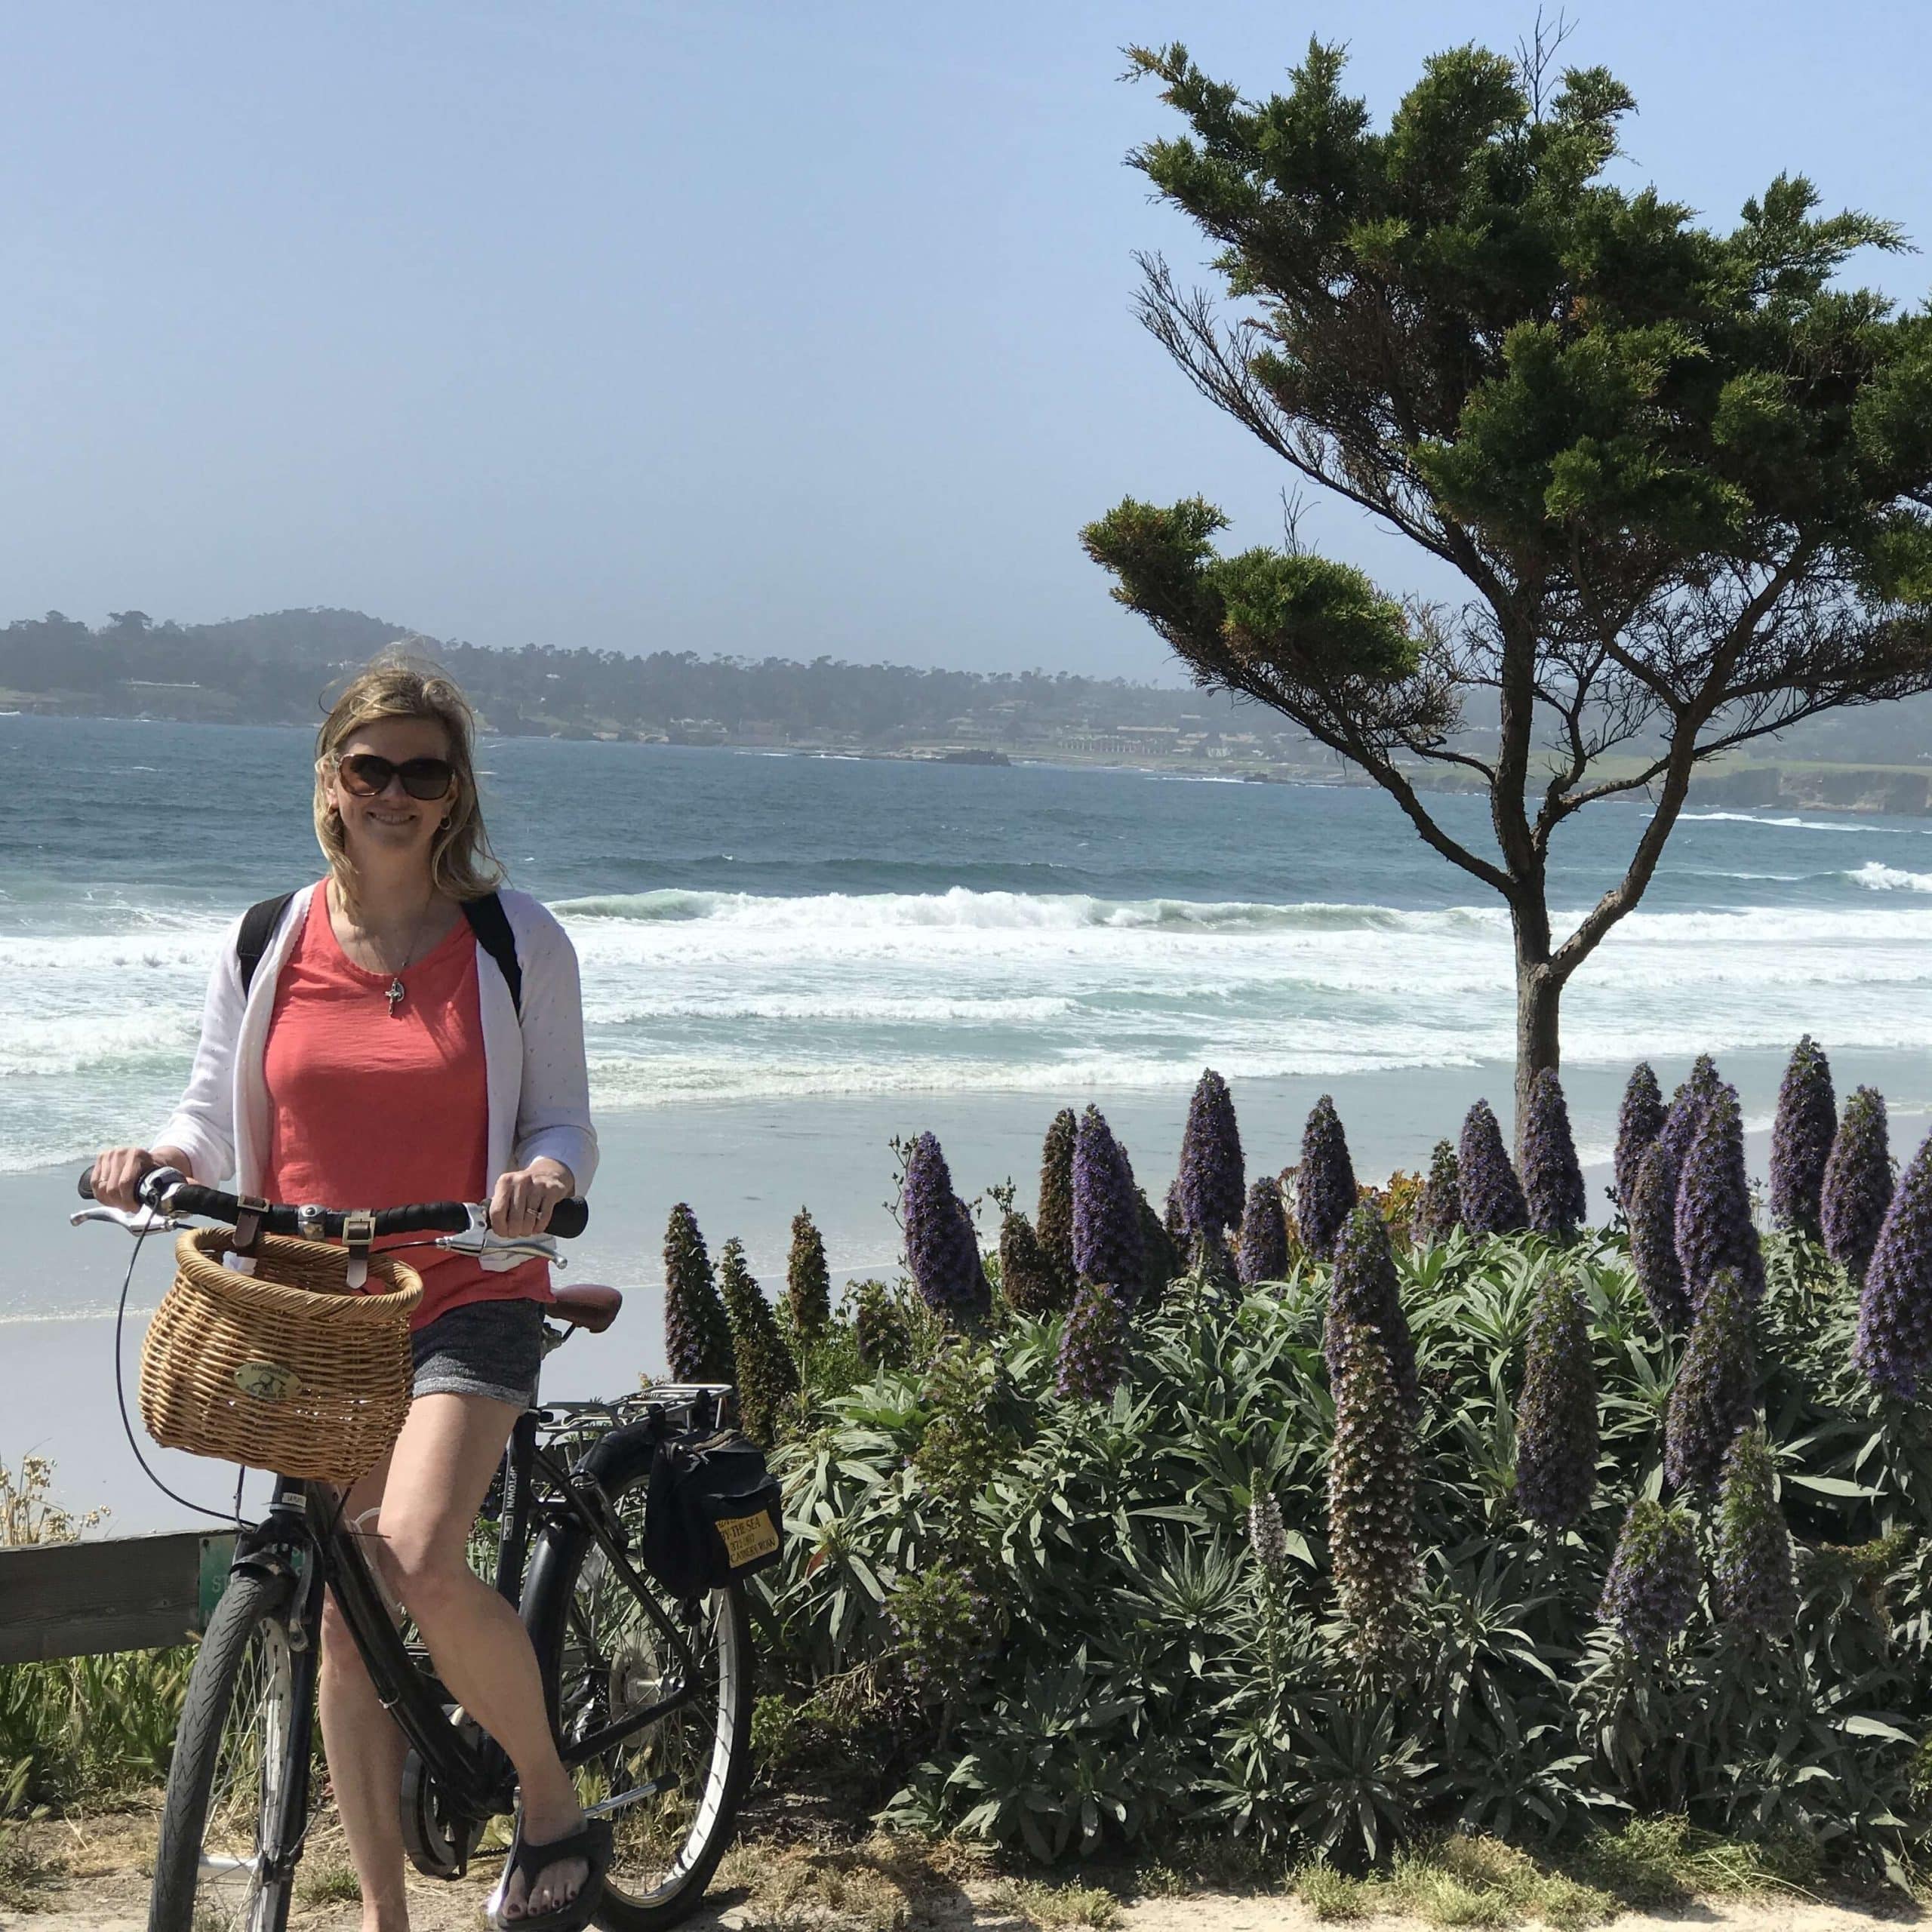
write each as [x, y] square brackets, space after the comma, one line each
[1054, 1222]
[1493, 1201]
[1716, 1389]
[1652, 1587]
[1801, 1136]
[1858, 1183]
[1210, 1162]
[698, 1333]
[1107, 1244]
[942, 1251]
[1894, 1345]
[1439, 1210]
[1556, 1418]
[1639, 1123]
[1752, 1566]
[1715, 1230]
[1364, 1293]
[1686, 1107]
[1093, 1346]
[1325, 1182]
[1652, 1214]
[1372, 1493]
[1552, 1180]
[1263, 1251]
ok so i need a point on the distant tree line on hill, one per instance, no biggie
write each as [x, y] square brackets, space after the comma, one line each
[275, 668]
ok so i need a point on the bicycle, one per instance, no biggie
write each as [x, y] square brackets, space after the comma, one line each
[649, 1697]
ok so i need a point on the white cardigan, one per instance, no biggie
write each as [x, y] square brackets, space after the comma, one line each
[539, 1091]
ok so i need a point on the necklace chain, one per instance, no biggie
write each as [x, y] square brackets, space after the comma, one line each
[394, 992]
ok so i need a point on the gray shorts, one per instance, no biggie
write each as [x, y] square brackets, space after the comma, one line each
[485, 1348]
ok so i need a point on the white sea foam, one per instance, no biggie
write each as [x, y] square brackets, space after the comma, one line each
[691, 995]
[1876, 877]
[1857, 823]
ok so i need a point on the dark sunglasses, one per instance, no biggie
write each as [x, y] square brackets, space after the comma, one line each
[366, 775]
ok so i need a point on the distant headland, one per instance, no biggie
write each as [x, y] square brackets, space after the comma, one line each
[272, 669]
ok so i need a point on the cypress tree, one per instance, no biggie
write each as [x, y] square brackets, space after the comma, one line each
[767, 1376]
[697, 1335]
[808, 1281]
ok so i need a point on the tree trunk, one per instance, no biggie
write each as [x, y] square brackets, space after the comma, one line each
[1539, 996]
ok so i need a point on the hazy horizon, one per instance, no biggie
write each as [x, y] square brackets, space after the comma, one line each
[737, 329]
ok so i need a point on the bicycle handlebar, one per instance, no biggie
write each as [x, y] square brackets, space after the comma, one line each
[568, 1218]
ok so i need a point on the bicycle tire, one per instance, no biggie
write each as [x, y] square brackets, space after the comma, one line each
[240, 1770]
[601, 1684]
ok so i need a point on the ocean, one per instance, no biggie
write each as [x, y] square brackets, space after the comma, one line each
[754, 927]
[789, 960]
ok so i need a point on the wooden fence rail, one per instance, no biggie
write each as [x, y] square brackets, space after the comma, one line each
[123, 1593]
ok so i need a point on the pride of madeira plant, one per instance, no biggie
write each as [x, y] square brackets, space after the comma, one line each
[768, 1377]
[698, 1333]
[1682, 471]
[942, 1252]
[1324, 1181]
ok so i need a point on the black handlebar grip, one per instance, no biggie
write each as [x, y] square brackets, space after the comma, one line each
[86, 1182]
[569, 1219]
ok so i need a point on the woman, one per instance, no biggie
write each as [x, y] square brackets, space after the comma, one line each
[377, 1056]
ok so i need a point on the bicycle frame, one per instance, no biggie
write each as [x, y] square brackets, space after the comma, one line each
[304, 1534]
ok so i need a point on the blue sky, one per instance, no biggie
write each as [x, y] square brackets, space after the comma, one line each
[776, 328]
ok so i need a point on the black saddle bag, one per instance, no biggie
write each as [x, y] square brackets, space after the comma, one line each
[711, 1515]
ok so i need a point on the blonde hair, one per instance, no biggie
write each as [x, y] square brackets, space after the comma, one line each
[398, 683]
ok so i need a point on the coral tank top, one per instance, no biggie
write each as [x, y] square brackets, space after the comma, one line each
[372, 1109]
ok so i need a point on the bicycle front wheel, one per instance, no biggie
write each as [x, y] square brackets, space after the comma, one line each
[671, 1790]
[237, 1787]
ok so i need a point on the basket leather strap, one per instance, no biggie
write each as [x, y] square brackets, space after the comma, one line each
[359, 1232]
[249, 1224]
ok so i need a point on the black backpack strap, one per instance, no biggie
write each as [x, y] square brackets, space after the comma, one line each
[258, 926]
[491, 925]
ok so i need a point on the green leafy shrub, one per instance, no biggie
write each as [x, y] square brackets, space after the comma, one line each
[1164, 1671]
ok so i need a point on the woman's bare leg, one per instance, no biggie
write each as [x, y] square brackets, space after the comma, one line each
[438, 1473]
[365, 1750]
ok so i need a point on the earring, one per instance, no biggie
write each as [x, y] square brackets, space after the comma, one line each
[445, 825]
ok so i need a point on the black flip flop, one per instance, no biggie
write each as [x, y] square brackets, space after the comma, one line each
[592, 1844]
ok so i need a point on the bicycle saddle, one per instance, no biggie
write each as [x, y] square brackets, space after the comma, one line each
[585, 1305]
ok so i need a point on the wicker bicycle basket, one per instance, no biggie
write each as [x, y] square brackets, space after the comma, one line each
[286, 1369]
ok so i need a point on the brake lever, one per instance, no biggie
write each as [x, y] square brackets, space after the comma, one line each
[135, 1221]
[477, 1239]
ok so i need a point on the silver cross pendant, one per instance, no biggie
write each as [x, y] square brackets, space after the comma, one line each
[394, 995]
